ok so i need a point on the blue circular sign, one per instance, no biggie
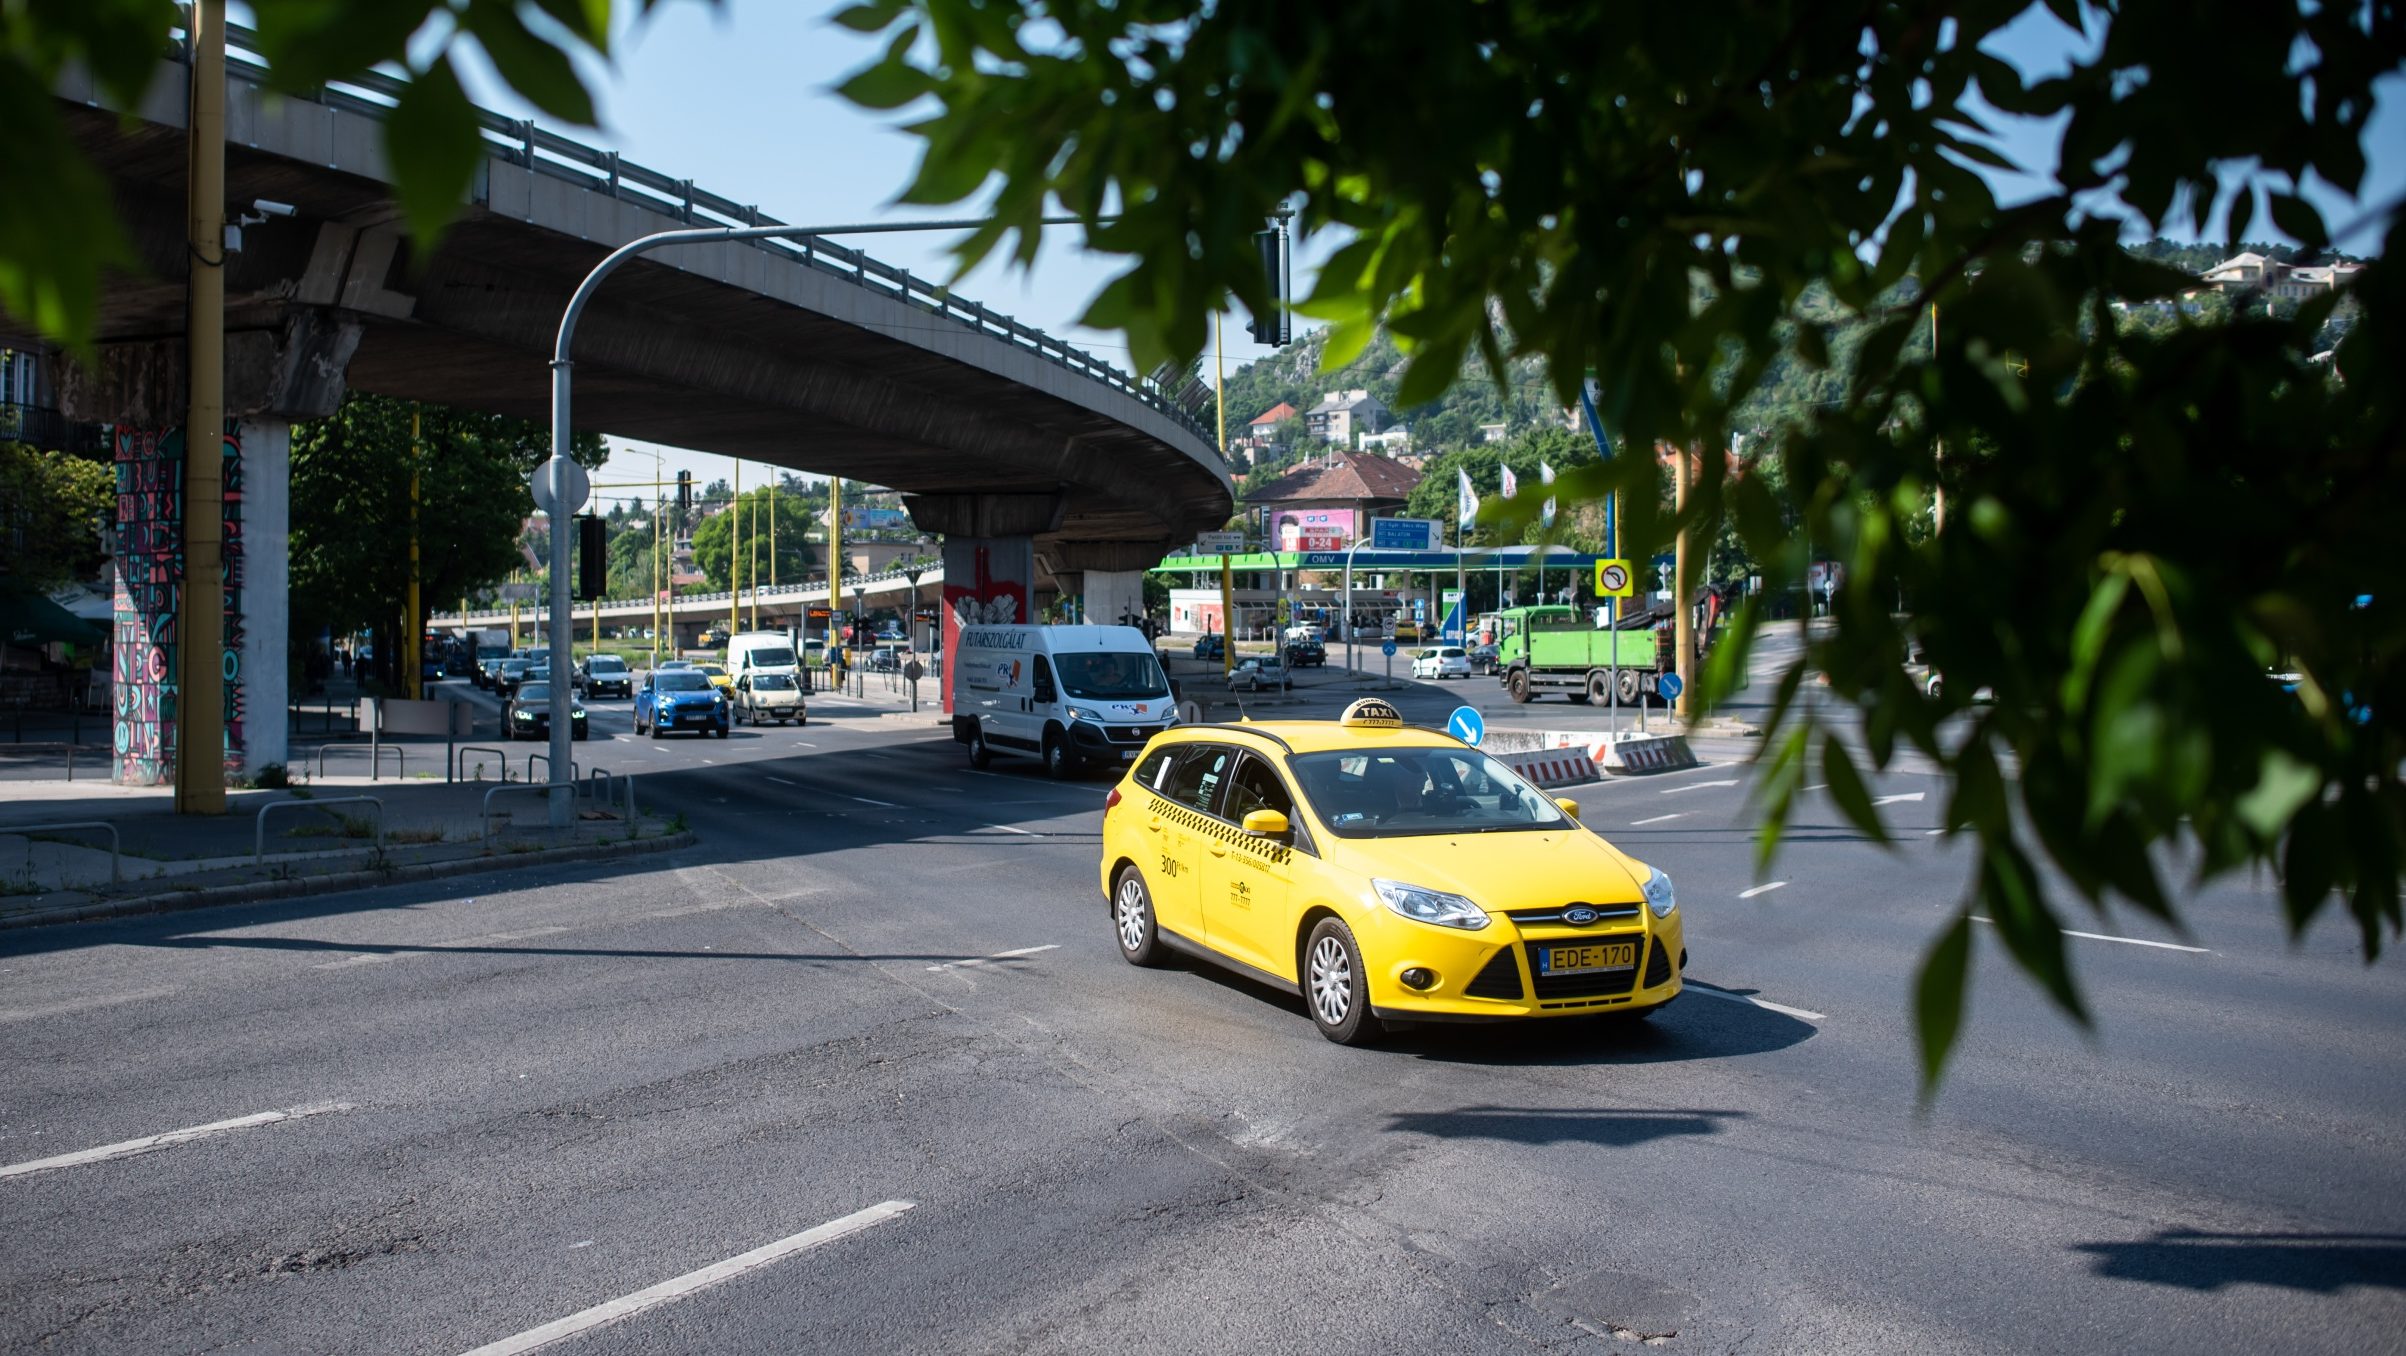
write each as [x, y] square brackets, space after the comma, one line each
[1387, 648]
[1467, 725]
[1669, 686]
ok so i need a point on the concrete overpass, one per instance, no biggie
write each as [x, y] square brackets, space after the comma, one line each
[1025, 453]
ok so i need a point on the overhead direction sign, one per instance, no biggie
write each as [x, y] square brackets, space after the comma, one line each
[1404, 534]
[1614, 579]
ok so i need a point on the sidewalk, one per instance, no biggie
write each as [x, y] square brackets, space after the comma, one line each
[327, 841]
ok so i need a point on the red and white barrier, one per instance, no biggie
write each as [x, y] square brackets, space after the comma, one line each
[1552, 767]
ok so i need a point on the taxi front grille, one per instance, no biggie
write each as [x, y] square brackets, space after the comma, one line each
[1658, 965]
[1605, 913]
[1500, 978]
[1591, 984]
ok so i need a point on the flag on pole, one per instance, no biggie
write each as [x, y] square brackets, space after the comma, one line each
[1511, 484]
[1466, 502]
[1546, 473]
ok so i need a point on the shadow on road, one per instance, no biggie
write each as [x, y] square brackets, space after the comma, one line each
[1539, 1126]
[2322, 1263]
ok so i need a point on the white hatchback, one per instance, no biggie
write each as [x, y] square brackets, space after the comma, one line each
[1450, 661]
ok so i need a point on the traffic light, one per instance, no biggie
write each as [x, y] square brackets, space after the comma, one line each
[684, 490]
[1270, 328]
[592, 558]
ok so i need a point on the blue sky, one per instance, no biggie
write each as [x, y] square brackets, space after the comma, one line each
[739, 98]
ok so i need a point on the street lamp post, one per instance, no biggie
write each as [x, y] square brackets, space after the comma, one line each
[562, 797]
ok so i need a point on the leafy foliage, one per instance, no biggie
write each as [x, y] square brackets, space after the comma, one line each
[2135, 525]
[50, 506]
[54, 244]
[715, 548]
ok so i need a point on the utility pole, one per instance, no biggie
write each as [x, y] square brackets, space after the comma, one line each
[735, 557]
[1683, 588]
[835, 570]
[200, 705]
[413, 639]
[659, 512]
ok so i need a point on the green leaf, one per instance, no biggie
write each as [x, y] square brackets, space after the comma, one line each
[2283, 786]
[432, 142]
[588, 20]
[1938, 993]
[309, 42]
[1847, 788]
[532, 66]
[2300, 220]
[868, 18]
[889, 84]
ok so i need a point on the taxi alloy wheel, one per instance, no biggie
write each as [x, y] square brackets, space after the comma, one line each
[1334, 988]
[1132, 915]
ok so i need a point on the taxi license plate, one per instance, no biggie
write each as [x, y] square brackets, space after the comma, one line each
[1587, 958]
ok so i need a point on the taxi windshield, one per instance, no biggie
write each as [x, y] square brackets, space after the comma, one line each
[1404, 792]
[1112, 676]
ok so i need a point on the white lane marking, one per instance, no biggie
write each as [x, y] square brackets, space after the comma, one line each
[1817, 786]
[404, 953]
[780, 780]
[627, 1306]
[367, 958]
[128, 1148]
[1024, 833]
[886, 804]
[999, 955]
[1696, 786]
[806, 743]
[82, 1004]
[1891, 800]
[1656, 820]
[1762, 889]
[2126, 941]
[1932, 833]
[1805, 1013]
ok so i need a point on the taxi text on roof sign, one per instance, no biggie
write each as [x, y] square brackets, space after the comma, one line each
[1372, 714]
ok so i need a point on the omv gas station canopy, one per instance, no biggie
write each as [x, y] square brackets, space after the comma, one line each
[1367, 558]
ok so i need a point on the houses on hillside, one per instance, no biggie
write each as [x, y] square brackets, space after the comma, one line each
[2252, 272]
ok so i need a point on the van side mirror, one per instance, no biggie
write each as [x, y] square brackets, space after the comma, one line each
[1567, 806]
[1265, 823]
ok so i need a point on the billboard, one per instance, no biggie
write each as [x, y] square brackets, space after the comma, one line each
[1311, 529]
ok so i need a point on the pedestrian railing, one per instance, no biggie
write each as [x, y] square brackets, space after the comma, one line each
[259, 840]
[460, 757]
[545, 760]
[27, 831]
[8, 752]
[375, 763]
[521, 787]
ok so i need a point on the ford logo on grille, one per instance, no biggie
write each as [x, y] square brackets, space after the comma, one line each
[1578, 915]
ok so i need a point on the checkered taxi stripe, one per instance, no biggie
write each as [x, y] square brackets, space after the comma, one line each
[1268, 849]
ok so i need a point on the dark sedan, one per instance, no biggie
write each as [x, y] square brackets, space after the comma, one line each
[511, 673]
[605, 675]
[529, 714]
[1306, 653]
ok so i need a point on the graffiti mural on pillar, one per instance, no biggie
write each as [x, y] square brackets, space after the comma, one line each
[986, 582]
[150, 574]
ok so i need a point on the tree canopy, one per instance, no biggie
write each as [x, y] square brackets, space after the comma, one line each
[51, 507]
[2117, 531]
[715, 549]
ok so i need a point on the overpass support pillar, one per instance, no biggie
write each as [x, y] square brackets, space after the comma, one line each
[1109, 576]
[989, 559]
[271, 379]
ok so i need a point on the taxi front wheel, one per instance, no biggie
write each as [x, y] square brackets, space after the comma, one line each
[1334, 988]
[1132, 916]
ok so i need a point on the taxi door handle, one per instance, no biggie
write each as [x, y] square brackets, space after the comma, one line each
[1219, 849]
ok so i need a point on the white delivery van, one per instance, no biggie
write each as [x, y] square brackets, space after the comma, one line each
[754, 652]
[1069, 696]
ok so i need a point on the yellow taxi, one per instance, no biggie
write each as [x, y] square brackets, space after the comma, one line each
[717, 674]
[1382, 872]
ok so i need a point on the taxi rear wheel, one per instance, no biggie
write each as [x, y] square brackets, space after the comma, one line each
[1132, 917]
[1335, 990]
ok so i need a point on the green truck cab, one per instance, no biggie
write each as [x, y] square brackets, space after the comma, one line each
[1557, 649]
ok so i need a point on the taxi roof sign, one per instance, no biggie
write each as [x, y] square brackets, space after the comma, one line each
[1372, 714]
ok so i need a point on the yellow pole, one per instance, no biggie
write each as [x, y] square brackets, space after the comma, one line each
[413, 636]
[835, 556]
[1683, 591]
[658, 512]
[735, 559]
[513, 622]
[1227, 582]
[200, 701]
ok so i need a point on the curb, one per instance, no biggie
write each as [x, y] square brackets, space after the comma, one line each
[336, 882]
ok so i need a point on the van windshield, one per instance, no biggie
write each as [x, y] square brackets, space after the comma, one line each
[779, 658]
[1112, 676]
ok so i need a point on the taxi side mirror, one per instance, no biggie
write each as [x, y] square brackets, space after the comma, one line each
[1265, 823]
[1567, 806]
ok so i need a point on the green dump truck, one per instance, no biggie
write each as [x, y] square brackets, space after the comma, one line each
[1558, 649]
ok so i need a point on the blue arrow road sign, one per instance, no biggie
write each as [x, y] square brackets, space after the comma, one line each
[1467, 724]
[1387, 648]
[1669, 685]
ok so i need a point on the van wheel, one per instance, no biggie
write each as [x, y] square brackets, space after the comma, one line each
[980, 756]
[1057, 764]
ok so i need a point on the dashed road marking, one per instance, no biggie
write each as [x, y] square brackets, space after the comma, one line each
[1696, 786]
[82, 1004]
[1708, 991]
[1024, 833]
[882, 804]
[1656, 820]
[1762, 889]
[2126, 941]
[1817, 786]
[627, 1306]
[997, 956]
[130, 1147]
[780, 780]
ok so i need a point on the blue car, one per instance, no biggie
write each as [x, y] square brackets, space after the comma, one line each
[680, 699]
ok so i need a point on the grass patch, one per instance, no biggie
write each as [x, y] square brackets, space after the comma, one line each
[414, 836]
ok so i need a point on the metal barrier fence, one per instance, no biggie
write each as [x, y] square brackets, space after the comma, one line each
[545, 760]
[259, 841]
[8, 751]
[460, 761]
[116, 852]
[507, 786]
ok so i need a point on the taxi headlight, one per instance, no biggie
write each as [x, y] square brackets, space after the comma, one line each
[1423, 905]
[1660, 897]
